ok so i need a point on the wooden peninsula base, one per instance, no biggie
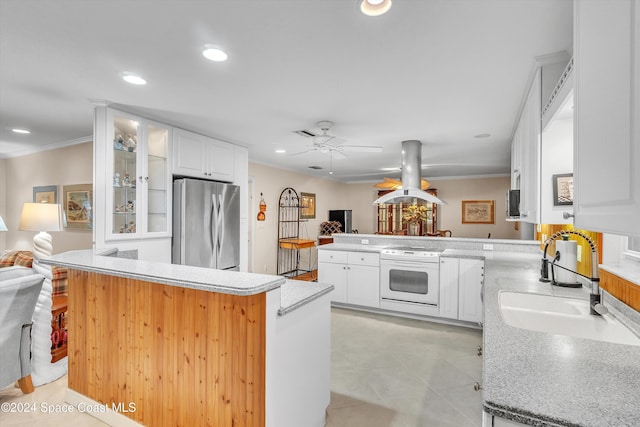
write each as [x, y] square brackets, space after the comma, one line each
[168, 356]
[173, 345]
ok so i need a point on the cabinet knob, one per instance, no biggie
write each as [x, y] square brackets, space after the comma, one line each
[567, 215]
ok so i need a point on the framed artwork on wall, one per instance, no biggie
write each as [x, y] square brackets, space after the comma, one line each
[478, 212]
[307, 205]
[45, 194]
[563, 189]
[78, 204]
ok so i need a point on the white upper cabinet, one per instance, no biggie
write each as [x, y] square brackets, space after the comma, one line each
[199, 156]
[526, 154]
[556, 162]
[607, 116]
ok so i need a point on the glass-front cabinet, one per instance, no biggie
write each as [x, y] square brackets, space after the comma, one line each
[140, 177]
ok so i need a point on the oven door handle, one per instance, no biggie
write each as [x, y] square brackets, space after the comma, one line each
[412, 264]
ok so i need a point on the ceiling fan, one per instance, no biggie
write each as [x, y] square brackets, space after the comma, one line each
[324, 143]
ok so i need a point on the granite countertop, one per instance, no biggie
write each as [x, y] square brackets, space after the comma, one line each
[205, 279]
[352, 247]
[296, 293]
[544, 379]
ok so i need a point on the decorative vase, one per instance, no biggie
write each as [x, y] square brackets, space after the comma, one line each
[413, 228]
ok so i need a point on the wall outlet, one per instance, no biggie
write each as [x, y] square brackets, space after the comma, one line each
[487, 246]
[364, 241]
[579, 253]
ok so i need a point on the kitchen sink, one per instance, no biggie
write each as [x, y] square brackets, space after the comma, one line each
[562, 316]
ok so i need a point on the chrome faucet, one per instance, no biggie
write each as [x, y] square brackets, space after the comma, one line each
[596, 306]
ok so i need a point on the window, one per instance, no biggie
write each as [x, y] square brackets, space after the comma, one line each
[633, 247]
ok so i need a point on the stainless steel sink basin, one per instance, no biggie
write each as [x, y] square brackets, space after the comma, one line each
[562, 316]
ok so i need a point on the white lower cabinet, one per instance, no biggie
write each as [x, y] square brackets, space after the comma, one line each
[355, 276]
[461, 281]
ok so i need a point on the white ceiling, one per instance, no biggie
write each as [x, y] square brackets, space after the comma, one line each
[440, 71]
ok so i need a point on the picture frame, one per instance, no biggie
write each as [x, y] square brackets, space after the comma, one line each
[563, 189]
[78, 206]
[478, 211]
[307, 205]
[45, 194]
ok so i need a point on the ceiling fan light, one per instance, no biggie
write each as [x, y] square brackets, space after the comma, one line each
[375, 7]
[214, 54]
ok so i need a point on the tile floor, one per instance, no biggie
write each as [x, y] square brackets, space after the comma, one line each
[388, 371]
[385, 372]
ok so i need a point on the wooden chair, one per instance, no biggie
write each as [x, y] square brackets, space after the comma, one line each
[444, 233]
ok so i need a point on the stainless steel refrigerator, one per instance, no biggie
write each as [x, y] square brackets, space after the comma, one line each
[206, 224]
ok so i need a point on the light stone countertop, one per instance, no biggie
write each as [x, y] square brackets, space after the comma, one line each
[204, 279]
[351, 247]
[544, 379]
[296, 293]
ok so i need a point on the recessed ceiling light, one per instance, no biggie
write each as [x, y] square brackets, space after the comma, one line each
[375, 7]
[280, 151]
[16, 130]
[214, 54]
[482, 135]
[133, 79]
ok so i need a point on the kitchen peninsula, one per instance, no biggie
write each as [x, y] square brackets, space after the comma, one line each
[169, 345]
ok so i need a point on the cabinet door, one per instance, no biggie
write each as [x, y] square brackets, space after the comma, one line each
[607, 111]
[336, 275]
[363, 285]
[449, 288]
[189, 154]
[530, 149]
[470, 283]
[220, 164]
[122, 185]
[156, 179]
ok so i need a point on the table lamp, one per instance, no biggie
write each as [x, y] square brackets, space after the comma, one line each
[41, 217]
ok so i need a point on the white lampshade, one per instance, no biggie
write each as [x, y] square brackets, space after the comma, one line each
[3, 226]
[41, 217]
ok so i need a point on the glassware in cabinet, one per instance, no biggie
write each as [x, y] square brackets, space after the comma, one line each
[124, 175]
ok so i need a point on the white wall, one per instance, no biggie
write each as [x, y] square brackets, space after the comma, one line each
[3, 196]
[64, 166]
[454, 191]
[329, 195]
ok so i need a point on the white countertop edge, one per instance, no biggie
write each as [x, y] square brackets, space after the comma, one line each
[296, 293]
[205, 279]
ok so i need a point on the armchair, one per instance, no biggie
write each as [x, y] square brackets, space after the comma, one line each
[18, 296]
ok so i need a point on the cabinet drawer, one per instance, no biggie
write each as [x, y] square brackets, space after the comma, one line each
[363, 258]
[332, 256]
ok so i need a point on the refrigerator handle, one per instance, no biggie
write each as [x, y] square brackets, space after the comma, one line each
[219, 227]
[213, 234]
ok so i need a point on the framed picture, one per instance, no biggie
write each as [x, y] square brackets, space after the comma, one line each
[78, 205]
[307, 205]
[563, 189]
[478, 212]
[45, 194]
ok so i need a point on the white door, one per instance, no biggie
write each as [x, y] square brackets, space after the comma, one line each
[363, 285]
[470, 281]
[336, 275]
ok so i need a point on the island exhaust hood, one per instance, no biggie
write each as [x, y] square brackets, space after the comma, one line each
[411, 169]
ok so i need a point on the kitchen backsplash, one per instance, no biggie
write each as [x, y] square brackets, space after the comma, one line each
[584, 263]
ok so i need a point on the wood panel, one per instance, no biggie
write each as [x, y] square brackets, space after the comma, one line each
[626, 291]
[183, 357]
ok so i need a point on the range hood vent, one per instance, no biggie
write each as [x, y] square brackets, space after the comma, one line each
[411, 170]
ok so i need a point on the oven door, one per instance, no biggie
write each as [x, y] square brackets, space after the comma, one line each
[406, 281]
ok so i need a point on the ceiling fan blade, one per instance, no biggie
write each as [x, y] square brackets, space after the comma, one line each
[338, 154]
[298, 153]
[361, 148]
